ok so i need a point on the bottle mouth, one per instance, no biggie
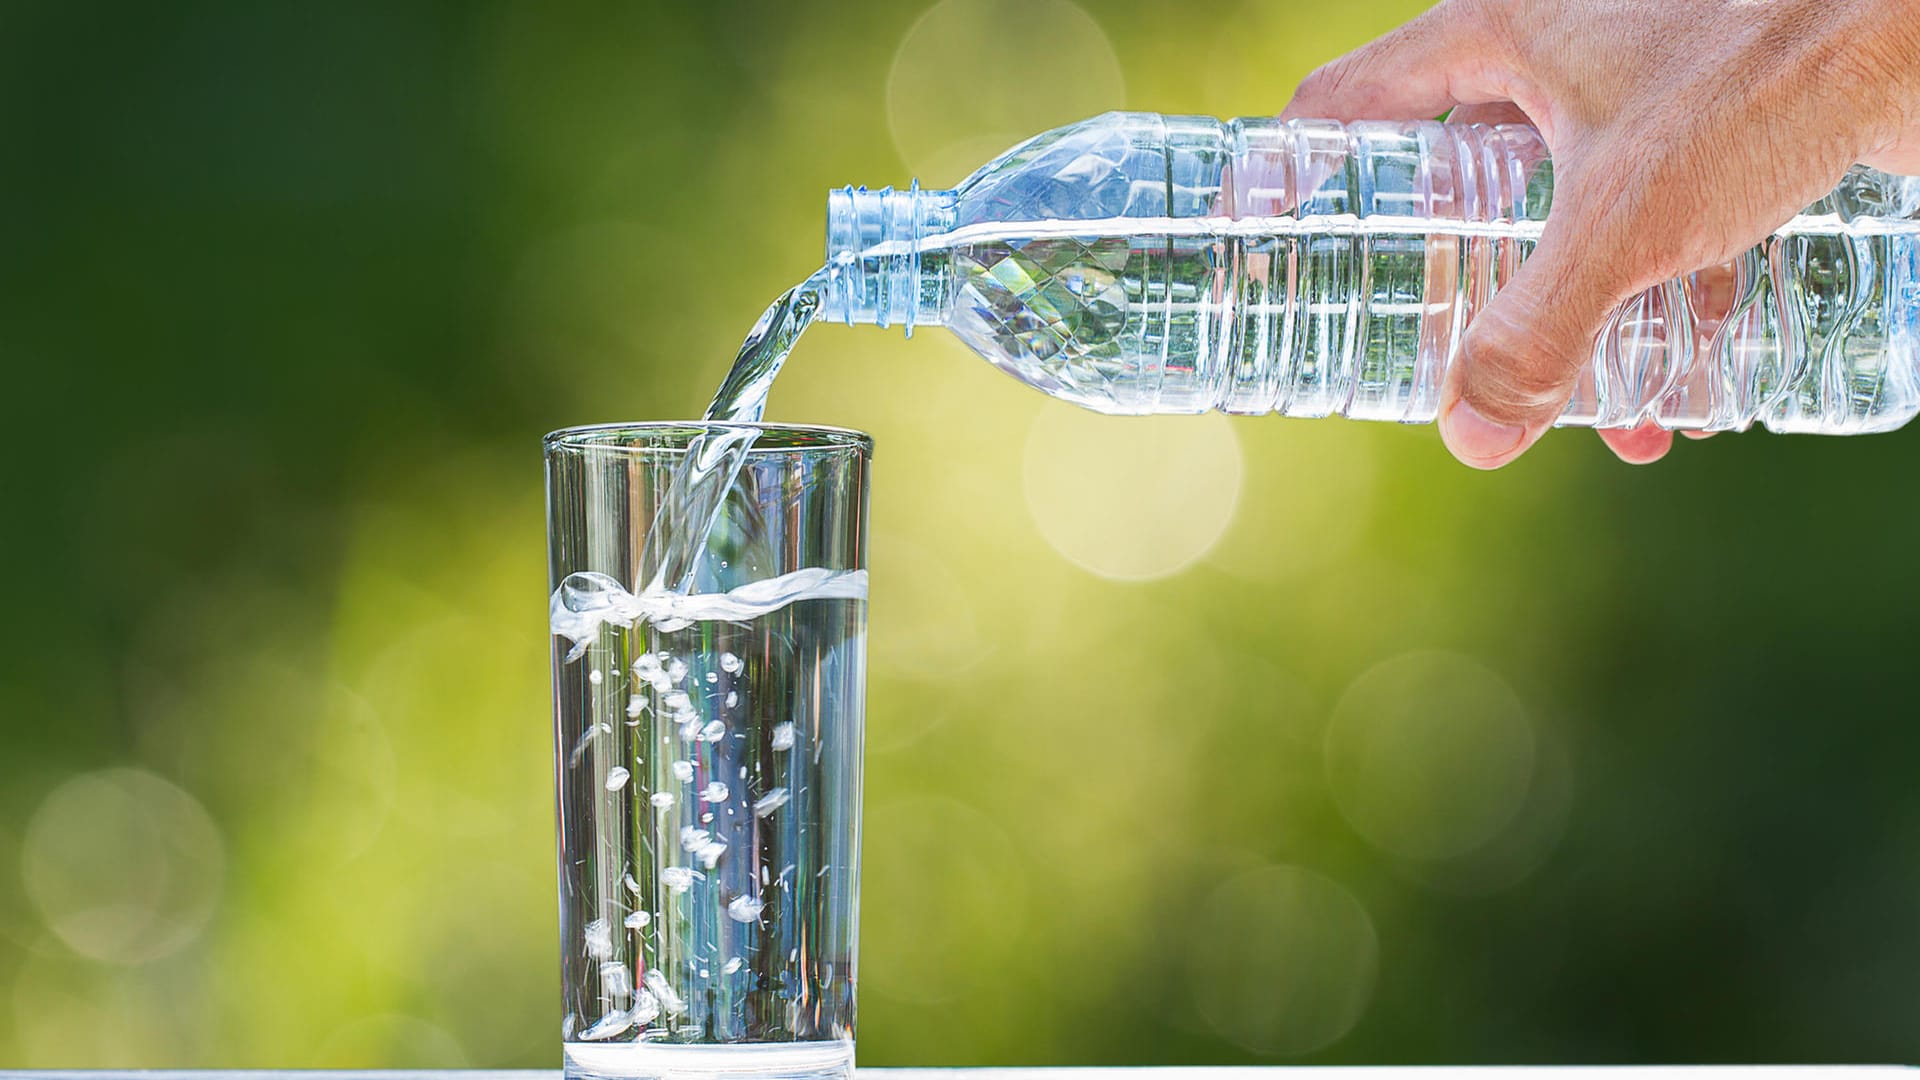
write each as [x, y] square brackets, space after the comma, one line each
[874, 241]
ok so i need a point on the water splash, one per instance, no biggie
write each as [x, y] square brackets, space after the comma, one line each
[695, 497]
[587, 601]
[698, 491]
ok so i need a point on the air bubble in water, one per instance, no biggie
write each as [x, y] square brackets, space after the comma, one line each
[744, 909]
[713, 732]
[617, 778]
[730, 663]
[645, 1008]
[715, 792]
[677, 671]
[635, 706]
[661, 799]
[701, 845]
[595, 677]
[783, 736]
[679, 879]
[733, 965]
[669, 1000]
[713, 677]
[683, 771]
[733, 698]
[608, 1026]
[580, 747]
[615, 980]
[771, 801]
[638, 920]
[598, 938]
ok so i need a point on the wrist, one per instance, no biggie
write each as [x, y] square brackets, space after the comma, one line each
[1883, 48]
[1890, 36]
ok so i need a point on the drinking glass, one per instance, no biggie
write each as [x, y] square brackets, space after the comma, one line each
[709, 671]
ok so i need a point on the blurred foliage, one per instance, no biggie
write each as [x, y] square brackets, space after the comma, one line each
[1573, 763]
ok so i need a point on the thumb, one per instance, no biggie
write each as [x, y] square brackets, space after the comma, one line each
[1525, 350]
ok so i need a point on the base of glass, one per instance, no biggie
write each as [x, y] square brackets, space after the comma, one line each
[718, 1061]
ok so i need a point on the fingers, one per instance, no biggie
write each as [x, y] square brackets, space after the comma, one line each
[1525, 349]
[1643, 445]
[1441, 59]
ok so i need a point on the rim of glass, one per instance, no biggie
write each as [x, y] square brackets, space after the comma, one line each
[672, 436]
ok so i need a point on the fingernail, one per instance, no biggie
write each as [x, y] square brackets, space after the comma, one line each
[1478, 441]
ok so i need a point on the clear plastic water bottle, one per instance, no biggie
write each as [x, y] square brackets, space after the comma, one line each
[1138, 263]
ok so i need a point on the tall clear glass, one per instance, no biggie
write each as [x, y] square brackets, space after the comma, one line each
[709, 671]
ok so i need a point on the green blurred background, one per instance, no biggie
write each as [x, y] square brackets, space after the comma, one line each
[1192, 740]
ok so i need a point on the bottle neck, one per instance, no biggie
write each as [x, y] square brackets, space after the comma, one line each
[876, 273]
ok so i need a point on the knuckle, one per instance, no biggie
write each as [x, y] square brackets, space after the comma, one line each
[1325, 82]
[1509, 396]
[1515, 372]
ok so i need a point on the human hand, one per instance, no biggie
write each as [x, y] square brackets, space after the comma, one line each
[1682, 131]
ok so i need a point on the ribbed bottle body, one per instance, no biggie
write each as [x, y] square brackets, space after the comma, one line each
[1136, 263]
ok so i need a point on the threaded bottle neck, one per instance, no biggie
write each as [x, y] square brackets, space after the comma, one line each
[875, 273]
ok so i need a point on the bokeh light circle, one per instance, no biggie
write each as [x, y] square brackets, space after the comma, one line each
[1131, 499]
[123, 866]
[1523, 846]
[966, 83]
[98, 1016]
[1429, 755]
[1283, 960]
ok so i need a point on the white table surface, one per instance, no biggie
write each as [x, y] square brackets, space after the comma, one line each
[1174, 1073]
